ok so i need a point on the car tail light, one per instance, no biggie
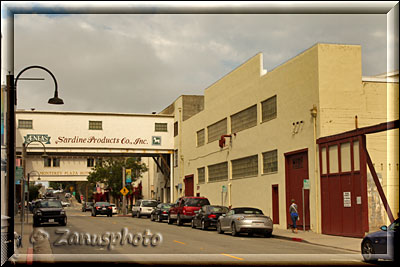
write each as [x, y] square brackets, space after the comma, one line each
[97, 208]
[110, 207]
[184, 211]
[164, 212]
[212, 216]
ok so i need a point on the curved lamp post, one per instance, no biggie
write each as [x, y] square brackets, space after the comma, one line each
[55, 100]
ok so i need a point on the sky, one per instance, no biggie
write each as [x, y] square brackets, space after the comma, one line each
[141, 63]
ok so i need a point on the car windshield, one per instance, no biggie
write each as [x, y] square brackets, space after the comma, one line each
[102, 204]
[166, 206]
[199, 202]
[217, 209]
[149, 203]
[50, 204]
[248, 211]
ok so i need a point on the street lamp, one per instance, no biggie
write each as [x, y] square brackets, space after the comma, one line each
[11, 151]
[54, 100]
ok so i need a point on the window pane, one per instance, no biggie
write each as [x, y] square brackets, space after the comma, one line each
[356, 151]
[175, 128]
[345, 157]
[200, 137]
[245, 167]
[160, 127]
[25, 124]
[270, 161]
[56, 162]
[333, 159]
[216, 130]
[201, 175]
[47, 162]
[269, 109]
[323, 160]
[95, 125]
[218, 172]
[244, 119]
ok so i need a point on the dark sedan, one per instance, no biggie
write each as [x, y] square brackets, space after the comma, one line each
[160, 212]
[49, 210]
[102, 208]
[208, 216]
[380, 245]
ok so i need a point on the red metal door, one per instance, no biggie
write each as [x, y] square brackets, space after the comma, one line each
[275, 204]
[189, 186]
[343, 188]
[296, 164]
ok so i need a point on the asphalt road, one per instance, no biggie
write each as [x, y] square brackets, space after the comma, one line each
[172, 244]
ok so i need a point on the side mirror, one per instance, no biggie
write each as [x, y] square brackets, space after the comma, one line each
[384, 228]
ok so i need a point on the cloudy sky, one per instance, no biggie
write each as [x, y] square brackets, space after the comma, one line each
[140, 63]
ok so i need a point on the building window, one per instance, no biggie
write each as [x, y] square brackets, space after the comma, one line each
[245, 167]
[95, 125]
[244, 119]
[175, 158]
[218, 172]
[175, 128]
[160, 127]
[90, 162]
[200, 137]
[56, 162]
[269, 109]
[216, 130]
[25, 124]
[201, 175]
[270, 161]
[47, 162]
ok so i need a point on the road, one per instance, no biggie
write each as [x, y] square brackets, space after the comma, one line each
[172, 243]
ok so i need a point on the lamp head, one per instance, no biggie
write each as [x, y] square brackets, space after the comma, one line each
[56, 100]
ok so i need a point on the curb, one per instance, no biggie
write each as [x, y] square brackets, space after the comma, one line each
[298, 239]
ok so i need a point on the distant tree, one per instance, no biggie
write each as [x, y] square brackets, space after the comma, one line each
[34, 191]
[109, 172]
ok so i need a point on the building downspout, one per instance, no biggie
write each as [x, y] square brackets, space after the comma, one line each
[314, 113]
[229, 194]
[181, 172]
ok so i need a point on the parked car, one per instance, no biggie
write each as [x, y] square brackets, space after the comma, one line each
[245, 220]
[67, 195]
[143, 207]
[183, 209]
[114, 208]
[160, 212]
[102, 208]
[49, 210]
[380, 244]
[208, 216]
[65, 203]
[87, 206]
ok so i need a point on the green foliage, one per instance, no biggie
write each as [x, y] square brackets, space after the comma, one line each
[109, 172]
[34, 191]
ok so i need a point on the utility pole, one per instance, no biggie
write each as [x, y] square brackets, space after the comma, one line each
[123, 197]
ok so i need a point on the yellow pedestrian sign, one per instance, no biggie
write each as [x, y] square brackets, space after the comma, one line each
[124, 191]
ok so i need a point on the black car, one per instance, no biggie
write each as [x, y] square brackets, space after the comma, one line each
[49, 210]
[207, 216]
[103, 208]
[87, 206]
[160, 212]
[380, 245]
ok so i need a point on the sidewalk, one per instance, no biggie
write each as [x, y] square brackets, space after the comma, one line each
[26, 253]
[347, 243]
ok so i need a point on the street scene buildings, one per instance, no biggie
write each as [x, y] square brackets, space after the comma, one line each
[256, 138]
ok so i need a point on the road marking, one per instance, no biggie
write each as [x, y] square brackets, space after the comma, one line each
[179, 242]
[232, 256]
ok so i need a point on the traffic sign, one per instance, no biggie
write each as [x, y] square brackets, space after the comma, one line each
[124, 191]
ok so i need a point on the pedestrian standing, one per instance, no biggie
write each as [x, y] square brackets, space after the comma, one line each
[294, 215]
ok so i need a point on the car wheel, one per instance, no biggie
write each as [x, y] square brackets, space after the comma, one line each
[63, 222]
[36, 223]
[111, 214]
[219, 229]
[250, 234]
[152, 217]
[234, 232]
[170, 221]
[158, 218]
[137, 214]
[203, 225]
[193, 226]
[268, 234]
[368, 251]
[179, 221]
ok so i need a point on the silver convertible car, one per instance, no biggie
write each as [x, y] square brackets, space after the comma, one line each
[245, 220]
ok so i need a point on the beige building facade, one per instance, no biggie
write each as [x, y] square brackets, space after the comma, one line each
[270, 121]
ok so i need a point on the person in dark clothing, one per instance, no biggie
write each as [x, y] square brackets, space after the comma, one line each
[294, 215]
